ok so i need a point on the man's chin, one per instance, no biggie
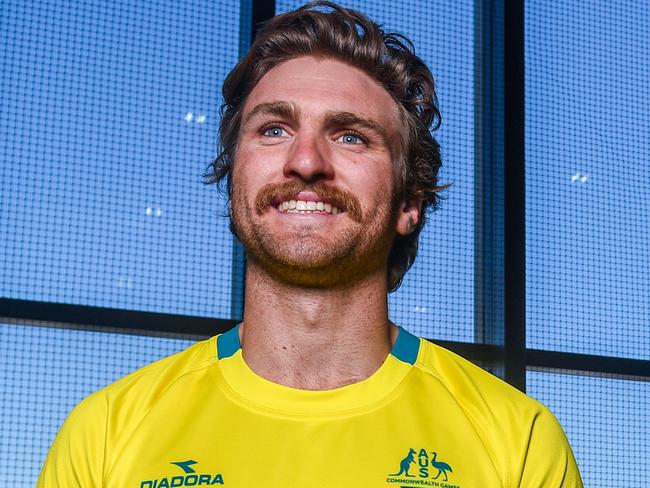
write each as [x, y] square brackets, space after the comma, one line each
[306, 252]
[298, 263]
[316, 278]
[316, 270]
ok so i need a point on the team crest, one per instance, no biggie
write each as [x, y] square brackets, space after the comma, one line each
[424, 468]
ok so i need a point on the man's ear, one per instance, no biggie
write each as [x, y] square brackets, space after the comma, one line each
[408, 215]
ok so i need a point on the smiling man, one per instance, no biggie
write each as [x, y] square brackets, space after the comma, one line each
[330, 166]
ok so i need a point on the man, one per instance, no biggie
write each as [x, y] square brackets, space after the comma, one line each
[330, 166]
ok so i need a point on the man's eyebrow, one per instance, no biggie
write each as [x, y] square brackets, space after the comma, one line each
[281, 109]
[352, 119]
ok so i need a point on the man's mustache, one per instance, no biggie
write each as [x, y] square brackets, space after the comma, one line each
[342, 199]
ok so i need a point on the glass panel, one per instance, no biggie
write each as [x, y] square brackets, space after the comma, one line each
[437, 297]
[109, 119]
[587, 186]
[606, 421]
[45, 371]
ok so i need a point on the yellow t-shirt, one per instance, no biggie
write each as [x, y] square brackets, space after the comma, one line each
[202, 417]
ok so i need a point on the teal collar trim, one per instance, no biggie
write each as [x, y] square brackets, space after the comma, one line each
[405, 349]
[228, 343]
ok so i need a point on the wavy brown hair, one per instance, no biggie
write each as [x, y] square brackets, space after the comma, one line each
[327, 30]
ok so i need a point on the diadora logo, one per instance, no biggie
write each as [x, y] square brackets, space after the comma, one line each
[189, 478]
[422, 468]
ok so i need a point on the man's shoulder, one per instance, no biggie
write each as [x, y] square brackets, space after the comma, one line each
[517, 430]
[474, 388]
[98, 427]
[131, 395]
[156, 377]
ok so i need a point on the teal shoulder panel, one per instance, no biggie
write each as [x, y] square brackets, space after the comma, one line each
[228, 343]
[406, 347]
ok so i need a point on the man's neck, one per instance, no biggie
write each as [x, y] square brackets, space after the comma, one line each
[315, 339]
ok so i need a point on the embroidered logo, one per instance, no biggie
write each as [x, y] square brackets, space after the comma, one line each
[190, 478]
[422, 467]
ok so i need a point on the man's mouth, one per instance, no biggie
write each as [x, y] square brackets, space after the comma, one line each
[295, 197]
[305, 207]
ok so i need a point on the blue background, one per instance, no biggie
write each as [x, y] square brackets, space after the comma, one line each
[588, 177]
[109, 118]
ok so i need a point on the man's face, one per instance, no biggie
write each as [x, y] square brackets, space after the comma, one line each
[313, 178]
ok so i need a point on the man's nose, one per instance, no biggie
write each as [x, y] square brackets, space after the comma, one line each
[309, 159]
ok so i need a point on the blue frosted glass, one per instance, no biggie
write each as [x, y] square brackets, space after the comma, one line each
[588, 177]
[109, 119]
[606, 421]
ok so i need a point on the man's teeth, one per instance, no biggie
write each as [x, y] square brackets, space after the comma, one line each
[301, 206]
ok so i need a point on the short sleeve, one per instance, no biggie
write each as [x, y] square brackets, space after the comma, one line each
[549, 460]
[76, 457]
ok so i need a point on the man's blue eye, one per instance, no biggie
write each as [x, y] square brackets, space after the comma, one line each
[351, 139]
[274, 132]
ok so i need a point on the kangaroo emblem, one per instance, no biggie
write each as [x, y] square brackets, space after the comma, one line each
[440, 466]
[405, 464]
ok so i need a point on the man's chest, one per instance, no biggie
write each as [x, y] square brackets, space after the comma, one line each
[232, 446]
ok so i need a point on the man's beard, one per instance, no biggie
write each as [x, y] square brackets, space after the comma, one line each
[306, 257]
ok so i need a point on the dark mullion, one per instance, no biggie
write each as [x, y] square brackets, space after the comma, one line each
[487, 355]
[571, 362]
[263, 10]
[489, 176]
[515, 196]
[133, 321]
[252, 16]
